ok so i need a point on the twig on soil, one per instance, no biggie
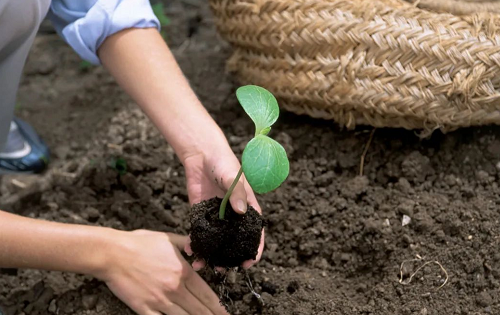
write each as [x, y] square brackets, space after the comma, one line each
[182, 47]
[363, 156]
[116, 147]
[19, 184]
[419, 268]
[66, 174]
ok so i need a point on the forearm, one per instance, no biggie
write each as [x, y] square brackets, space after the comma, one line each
[36, 244]
[143, 65]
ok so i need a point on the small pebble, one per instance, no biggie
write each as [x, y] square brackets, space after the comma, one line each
[231, 277]
[266, 298]
[53, 206]
[247, 298]
[91, 213]
[53, 307]
[101, 305]
[293, 262]
[426, 295]
[406, 220]
[484, 299]
[89, 302]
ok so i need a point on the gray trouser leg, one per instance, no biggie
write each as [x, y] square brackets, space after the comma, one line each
[19, 22]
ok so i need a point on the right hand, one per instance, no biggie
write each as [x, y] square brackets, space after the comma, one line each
[147, 271]
[210, 172]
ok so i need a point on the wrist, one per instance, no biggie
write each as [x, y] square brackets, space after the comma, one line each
[206, 139]
[103, 256]
[190, 129]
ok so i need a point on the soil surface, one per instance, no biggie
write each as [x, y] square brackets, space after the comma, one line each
[336, 242]
[228, 242]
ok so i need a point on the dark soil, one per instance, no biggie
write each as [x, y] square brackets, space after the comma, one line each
[335, 240]
[224, 243]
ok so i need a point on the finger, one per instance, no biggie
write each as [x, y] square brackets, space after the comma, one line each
[190, 303]
[200, 290]
[198, 265]
[249, 263]
[178, 241]
[238, 197]
[149, 312]
[187, 247]
[173, 309]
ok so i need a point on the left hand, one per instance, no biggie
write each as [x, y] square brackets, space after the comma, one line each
[210, 174]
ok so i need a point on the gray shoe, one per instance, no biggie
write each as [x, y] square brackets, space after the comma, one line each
[24, 152]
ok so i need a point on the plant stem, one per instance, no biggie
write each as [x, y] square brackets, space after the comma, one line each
[222, 209]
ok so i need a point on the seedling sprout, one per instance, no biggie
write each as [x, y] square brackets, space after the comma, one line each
[264, 161]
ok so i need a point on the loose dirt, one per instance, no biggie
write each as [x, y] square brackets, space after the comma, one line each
[335, 240]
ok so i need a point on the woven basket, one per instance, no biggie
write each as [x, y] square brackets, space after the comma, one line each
[385, 63]
[459, 7]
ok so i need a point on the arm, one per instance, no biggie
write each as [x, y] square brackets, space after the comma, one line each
[143, 65]
[145, 269]
[145, 68]
[153, 78]
[34, 244]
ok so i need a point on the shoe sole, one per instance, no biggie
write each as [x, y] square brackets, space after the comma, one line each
[34, 162]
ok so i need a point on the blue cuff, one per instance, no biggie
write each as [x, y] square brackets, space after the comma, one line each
[85, 24]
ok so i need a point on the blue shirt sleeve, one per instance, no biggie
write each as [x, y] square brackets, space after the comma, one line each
[85, 24]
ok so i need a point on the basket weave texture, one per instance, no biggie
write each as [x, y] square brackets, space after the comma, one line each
[385, 63]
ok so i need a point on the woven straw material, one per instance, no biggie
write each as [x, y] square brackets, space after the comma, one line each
[459, 7]
[385, 63]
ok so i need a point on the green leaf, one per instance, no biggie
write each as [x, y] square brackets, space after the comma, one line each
[159, 11]
[120, 165]
[260, 105]
[265, 164]
[85, 65]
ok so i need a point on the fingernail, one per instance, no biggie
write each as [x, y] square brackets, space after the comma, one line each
[248, 264]
[241, 206]
[198, 265]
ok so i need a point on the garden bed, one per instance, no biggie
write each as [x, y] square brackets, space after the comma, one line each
[335, 240]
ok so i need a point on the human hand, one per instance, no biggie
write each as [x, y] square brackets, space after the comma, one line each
[147, 271]
[210, 173]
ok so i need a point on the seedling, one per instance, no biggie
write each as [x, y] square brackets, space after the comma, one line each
[120, 165]
[264, 161]
[159, 11]
[85, 65]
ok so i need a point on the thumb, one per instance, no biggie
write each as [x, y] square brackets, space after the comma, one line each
[238, 198]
